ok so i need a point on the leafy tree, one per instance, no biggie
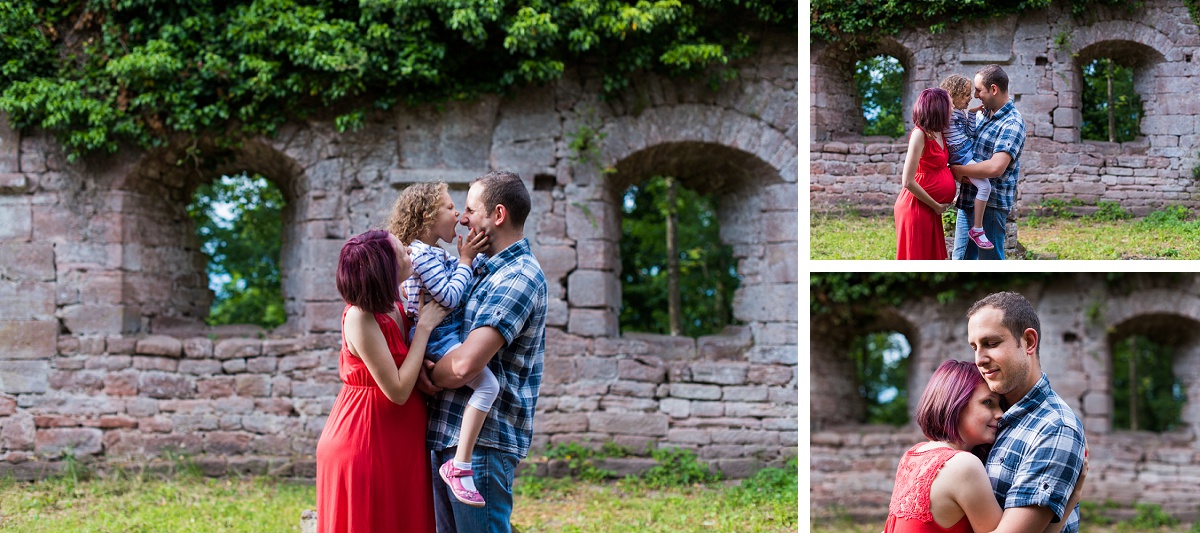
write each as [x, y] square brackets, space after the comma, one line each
[707, 269]
[881, 366]
[1146, 394]
[239, 221]
[1125, 113]
[880, 83]
[148, 71]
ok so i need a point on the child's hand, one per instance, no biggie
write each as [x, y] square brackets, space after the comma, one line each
[975, 109]
[431, 313]
[470, 246]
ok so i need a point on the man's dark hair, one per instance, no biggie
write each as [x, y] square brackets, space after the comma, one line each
[1018, 313]
[994, 75]
[501, 187]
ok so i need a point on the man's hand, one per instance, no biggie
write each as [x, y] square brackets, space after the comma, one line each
[424, 384]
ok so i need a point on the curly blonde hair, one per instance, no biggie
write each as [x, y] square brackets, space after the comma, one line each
[957, 85]
[415, 210]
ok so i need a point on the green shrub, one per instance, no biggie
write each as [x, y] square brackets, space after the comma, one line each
[1170, 215]
[1109, 212]
[677, 467]
[1150, 516]
[580, 460]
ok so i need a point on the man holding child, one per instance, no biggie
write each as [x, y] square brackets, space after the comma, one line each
[1000, 136]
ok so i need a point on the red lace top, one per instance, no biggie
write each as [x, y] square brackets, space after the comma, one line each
[909, 510]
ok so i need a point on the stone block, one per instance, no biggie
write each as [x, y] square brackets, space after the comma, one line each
[262, 365]
[100, 319]
[643, 424]
[225, 443]
[675, 407]
[253, 385]
[21, 377]
[26, 300]
[272, 347]
[642, 369]
[776, 302]
[197, 347]
[200, 367]
[549, 423]
[33, 339]
[237, 348]
[215, 387]
[234, 366]
[693, 391]
[559, 370]
[18, 432]
[27, 261]
[298, 362]
[729, 344]
[593, 288]
[719, 373]
[324, 316]
[78, 441]
[159, 345]
[16, 219]
[592, 322]
[598, 254]
[163, 386]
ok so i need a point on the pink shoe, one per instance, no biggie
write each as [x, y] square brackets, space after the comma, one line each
[980, 239]
[451, 476]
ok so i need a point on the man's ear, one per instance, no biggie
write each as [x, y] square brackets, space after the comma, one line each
[1030, 336]
[500, 214]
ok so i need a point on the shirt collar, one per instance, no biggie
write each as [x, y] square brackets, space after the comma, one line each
[1030, 402]
[1004, 110]
[513, 250]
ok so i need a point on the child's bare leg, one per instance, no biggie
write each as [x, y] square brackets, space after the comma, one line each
[471, 425]
[979, 207]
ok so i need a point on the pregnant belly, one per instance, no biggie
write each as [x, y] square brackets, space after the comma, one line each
[939, 184]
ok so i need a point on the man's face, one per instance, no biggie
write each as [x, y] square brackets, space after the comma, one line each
[474, 215]
[1004, 361]
[988, 95]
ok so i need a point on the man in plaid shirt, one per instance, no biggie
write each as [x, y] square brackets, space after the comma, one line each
[1040, 447]
[999, 137]
[504, 328]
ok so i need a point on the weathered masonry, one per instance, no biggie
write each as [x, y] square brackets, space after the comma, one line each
[853, 465]
[103, 355]
[1043, 52]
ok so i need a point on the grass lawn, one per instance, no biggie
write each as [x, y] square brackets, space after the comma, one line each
[191, 503]
[1168, 234]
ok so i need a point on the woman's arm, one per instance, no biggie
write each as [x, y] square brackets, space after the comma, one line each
[365, 339]
[971, 489]
[916, 145]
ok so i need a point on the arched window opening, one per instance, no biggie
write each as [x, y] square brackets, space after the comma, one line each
[1146, 394]
[677, 277]
[880, 84]
[881, 368]
[1111, 106]
[239, 223]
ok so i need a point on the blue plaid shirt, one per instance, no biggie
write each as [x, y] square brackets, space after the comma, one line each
[509, 294]
[1004, 131]
[1038, 454]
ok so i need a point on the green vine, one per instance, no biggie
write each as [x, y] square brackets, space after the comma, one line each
[99, 73]
[861, 22]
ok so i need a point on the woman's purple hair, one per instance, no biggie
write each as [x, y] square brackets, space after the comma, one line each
[932, 112]
[367, 272]
[948, 391]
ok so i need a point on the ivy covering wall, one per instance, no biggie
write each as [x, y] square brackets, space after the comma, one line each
[153, 72]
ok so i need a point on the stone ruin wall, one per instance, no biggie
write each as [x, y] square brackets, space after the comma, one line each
[1158, 39]
[102, 353]
[853, 465]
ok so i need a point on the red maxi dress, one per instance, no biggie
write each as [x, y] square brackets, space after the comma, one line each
[909, 510]
[919, 232]
[373, 471]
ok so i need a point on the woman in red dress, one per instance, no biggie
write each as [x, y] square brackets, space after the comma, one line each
[941, 485]
[928, 185]
[372, 466]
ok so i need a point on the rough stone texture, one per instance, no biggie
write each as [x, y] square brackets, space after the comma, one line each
[853, 465]
[102, 341]
[1154, 171]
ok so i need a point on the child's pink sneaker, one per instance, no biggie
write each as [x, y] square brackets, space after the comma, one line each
[452, 476]
[980, 239]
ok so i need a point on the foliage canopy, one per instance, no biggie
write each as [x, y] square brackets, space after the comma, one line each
[880, 83]
[1144, 383]
[239, 221]
[1127, 104]
[98, 73]
[708, 275]
[853, 21]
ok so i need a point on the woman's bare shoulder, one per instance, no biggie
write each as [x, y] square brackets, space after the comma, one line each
[964, 465]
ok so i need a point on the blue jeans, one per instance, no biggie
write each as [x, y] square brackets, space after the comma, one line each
[993, 227]
[494, 474]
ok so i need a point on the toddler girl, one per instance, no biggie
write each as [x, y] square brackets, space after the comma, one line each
[960, 137]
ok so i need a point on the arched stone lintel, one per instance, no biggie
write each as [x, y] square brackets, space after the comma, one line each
[1122, 36]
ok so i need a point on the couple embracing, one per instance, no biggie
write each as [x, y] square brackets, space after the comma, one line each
[1005, 452]
[981, 147]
